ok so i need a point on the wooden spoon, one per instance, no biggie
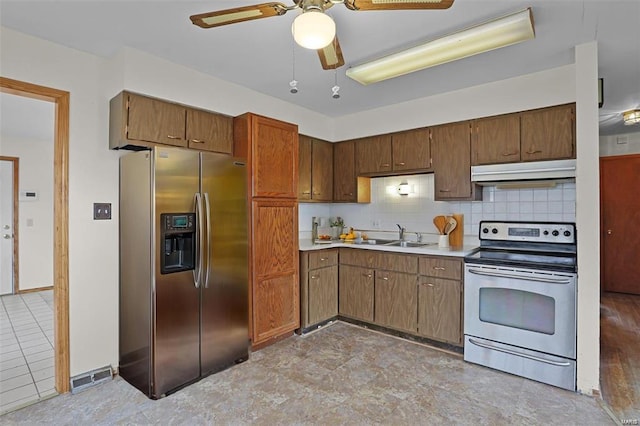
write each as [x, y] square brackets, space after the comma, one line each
[451, 224]
[440, 222]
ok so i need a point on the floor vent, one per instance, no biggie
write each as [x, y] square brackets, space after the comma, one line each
[91, 378]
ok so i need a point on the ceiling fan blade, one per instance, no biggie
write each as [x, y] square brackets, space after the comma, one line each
[331, 55]
[238, 14]
[397, 4]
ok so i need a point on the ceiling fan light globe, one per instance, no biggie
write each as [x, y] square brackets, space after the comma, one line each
[631, 117]
[313, 29]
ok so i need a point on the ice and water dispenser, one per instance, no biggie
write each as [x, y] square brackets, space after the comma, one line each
[178, 242]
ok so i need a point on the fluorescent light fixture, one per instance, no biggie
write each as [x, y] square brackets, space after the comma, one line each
[405, 189]
[631, 117]
[491, 35]
[313, 29]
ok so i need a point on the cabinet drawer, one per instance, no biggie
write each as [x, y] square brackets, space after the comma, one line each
[440, 267]
[322, 258]
[380, 260]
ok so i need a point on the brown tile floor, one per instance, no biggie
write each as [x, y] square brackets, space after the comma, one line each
[339, 375]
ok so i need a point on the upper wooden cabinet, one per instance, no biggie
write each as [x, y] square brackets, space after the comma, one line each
[347, 186]
[394, 153]
[411, 150]
[272, 149]
[373, 155]
[536, 135]
[137, 121]
[451, 145]
[548, 133]
[315, 170]
[209, 131]
[495, 140]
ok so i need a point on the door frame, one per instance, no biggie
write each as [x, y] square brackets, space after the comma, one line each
[60, 218]
[16, 221]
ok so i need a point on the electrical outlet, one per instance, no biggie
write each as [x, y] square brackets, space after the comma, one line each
[375, 224]
[101, 211]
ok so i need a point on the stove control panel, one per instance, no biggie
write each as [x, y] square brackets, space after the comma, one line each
[541, 232]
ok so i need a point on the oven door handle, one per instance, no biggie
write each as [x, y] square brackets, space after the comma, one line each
[516, 353]
[520, 277]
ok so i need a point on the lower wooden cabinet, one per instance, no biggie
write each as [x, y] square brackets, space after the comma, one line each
[439, 309]
[275, 306]
[356, 292]
[396, 300]
[318, 286]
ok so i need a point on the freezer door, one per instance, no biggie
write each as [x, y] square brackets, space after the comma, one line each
[224, 310]
[177, 328]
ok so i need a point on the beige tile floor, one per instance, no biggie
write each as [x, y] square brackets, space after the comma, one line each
[339, 375]
[26, 349]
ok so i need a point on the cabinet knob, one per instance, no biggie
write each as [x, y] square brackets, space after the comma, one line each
[438, 268]
[173, 137]
[197, 141]
[608, 231]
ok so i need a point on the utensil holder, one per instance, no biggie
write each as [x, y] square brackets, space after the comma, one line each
[443, 241]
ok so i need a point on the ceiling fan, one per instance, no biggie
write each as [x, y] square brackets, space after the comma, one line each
[313, 28]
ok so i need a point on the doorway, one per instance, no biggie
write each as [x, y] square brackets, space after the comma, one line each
[60, 99]
[9, 213]
[620, 281]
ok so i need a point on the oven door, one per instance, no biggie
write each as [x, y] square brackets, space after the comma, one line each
[522, 307]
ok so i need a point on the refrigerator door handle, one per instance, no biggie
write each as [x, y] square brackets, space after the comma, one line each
[197, 271]
[208, 216]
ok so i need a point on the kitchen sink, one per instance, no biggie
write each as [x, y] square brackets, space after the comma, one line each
[408, 244]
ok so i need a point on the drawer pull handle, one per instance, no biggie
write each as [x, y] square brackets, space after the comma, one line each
[317, 193]
[444, 190]
[439, 268]
[402, 163]
[322, 259]
[429, 284]
[306, 192]
[537, 151]
[385, 278]
[348, 193]
[367, 275]
[173, 137]
[314, 277]
[508, 154]
[385, 165]
[196, 141]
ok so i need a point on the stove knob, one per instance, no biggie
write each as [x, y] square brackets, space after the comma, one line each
[485, 230]
[546, 233]
[494, 231]
[555, 233]
[567, 233]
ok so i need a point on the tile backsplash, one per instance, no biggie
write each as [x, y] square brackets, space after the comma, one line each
[415, 211]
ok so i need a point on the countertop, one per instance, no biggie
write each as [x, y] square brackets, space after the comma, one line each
[433, 250]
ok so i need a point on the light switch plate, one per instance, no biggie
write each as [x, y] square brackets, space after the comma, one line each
[101, 211]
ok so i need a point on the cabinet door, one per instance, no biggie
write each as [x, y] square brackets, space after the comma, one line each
[396, 300]
[304, 168]
[373, 154]
[548, 133]
[209, 131]
[344, 172]
[452, 161]
[356, 292]
[496, 140]
[153, 120]
[411, 150]
[439, 309]
[321, 170]
[274, 158]
[275, 294]
[323, 294]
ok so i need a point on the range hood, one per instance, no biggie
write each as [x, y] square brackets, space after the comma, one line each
[531, 171]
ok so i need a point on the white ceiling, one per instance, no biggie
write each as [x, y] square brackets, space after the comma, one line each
[260, 54]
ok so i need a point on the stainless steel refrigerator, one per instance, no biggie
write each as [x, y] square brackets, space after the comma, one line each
[183, 267]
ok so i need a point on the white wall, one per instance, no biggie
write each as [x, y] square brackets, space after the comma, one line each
[35, 217]
[588, 217]
[622, 144]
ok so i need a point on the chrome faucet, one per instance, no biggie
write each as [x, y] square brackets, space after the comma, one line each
[314, 228]
[401, 232]
[418, 237]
